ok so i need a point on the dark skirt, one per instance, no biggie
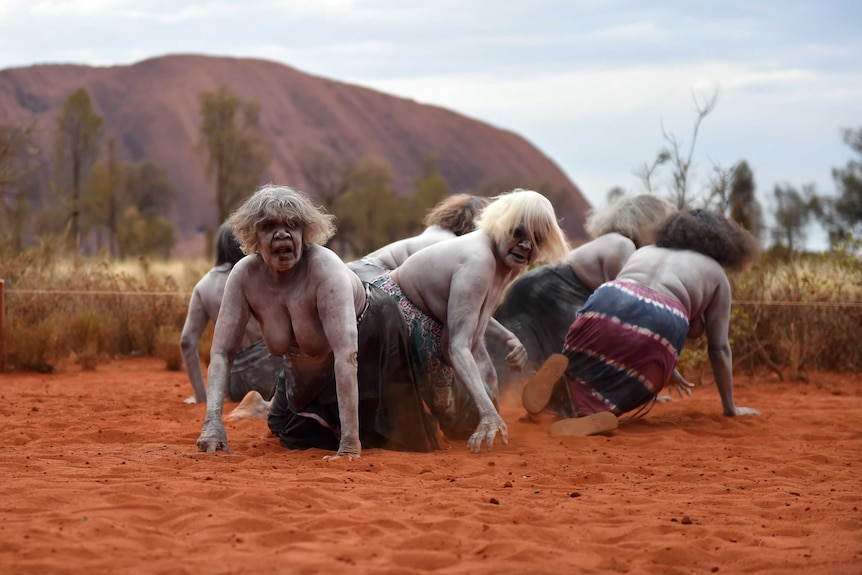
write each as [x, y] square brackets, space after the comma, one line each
[254, 369]
[539, 307]
[304, 412]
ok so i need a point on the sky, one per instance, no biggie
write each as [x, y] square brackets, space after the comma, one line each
[595, 85]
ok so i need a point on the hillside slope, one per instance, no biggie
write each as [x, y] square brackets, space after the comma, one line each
[152, 109]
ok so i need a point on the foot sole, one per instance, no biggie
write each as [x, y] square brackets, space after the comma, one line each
[586, 425]
[537, 392]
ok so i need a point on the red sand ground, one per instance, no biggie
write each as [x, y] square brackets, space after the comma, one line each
[101, 475]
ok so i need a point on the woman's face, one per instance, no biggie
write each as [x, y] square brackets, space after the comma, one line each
[279, 243]
[519, 249]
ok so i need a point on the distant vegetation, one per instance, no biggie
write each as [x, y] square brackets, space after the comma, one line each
[789, 318]
[795, 312]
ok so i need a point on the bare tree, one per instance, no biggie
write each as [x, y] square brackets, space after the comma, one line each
[678, 156]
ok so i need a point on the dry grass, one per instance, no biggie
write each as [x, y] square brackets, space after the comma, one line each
[789, 318]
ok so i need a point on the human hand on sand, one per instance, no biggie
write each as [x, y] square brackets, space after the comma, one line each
[677, 382]
[487, 430]
[348, 447]
[213, 437]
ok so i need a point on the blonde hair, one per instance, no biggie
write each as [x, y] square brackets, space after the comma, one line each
[534, 214]
[630, 216]
[280, 203]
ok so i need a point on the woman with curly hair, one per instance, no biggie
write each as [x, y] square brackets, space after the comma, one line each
[625, 341]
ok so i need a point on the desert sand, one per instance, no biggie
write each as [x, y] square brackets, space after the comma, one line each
[100, 474]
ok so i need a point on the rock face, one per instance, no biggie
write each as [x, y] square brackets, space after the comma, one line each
[152, 109]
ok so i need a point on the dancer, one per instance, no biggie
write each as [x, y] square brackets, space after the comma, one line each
[346, 381]
[539, 307]
[626, 340]
[254, 369]
[447, 292]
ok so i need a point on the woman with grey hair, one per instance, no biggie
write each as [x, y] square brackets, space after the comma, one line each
[346, 381]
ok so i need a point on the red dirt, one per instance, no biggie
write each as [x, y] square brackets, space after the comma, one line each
[101, 475]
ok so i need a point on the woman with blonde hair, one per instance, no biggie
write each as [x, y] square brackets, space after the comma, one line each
[447, 293]
[539, 307]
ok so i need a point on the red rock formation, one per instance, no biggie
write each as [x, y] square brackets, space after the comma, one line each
[152, 109]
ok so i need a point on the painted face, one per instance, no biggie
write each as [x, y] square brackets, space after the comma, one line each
[279, 243]
[519, 249]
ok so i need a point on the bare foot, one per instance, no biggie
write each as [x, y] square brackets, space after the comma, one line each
[587, 425]
[537, 392]
[252, 406]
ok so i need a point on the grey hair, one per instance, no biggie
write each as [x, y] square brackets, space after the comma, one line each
[284, 203]
[634, 217]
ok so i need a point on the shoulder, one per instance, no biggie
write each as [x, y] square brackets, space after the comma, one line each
[614, 240]
[325, 265]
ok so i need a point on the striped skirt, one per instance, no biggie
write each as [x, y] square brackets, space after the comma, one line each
[622, 347]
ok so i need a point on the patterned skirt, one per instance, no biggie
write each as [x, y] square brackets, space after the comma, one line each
[623, 347]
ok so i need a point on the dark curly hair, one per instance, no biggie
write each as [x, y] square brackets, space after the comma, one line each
[710, 234]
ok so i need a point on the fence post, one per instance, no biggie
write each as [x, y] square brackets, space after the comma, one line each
[2, 325]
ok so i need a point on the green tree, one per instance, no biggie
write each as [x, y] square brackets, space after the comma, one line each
[369, 213]
[236, 152]
[76, 146]
[141, 235]
[744, 207]
[431, 189]
[131, 202]
[18, 159]
[843, 214]
[104, 200]
[794, 211]
[148, 199]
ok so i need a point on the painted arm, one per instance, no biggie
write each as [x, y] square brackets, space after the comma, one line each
[335, 305]
[196, 322]
[516, 357]
[227, 340]
[462, 325]
[717, 325]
